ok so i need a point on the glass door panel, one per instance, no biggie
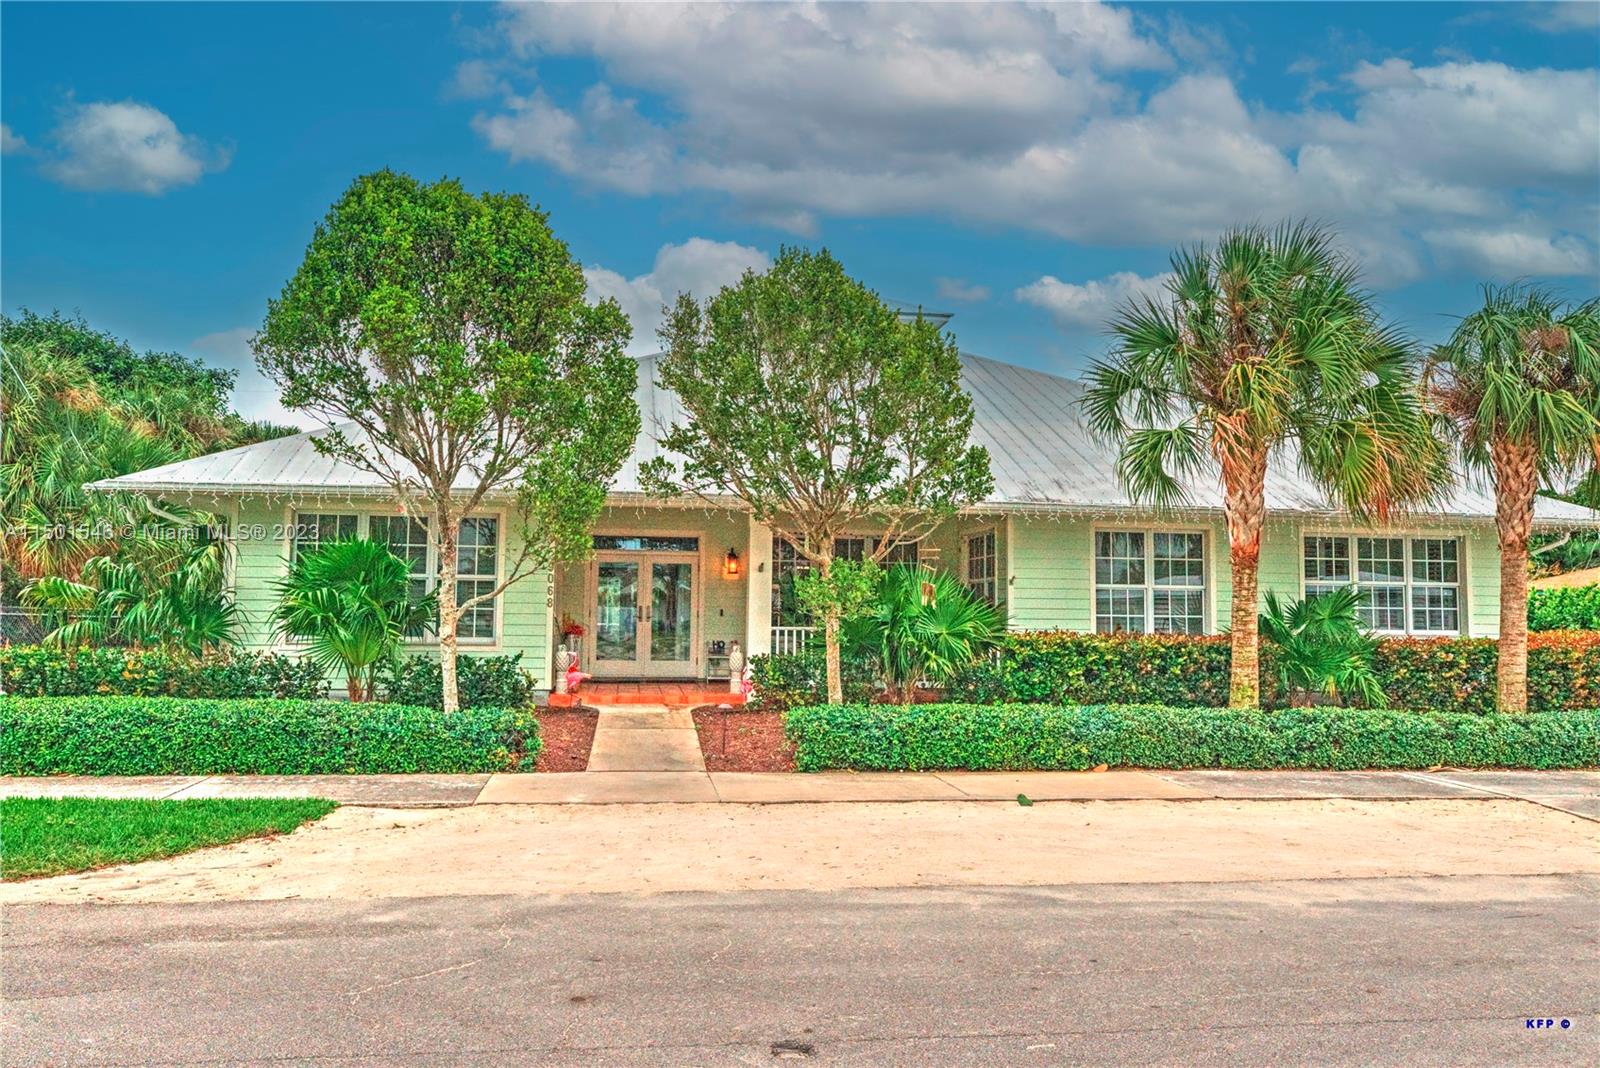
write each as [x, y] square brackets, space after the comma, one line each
[671, 612]
[616, 627]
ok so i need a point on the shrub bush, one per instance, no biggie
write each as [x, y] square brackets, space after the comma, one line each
[791, 679]
[37, 671]
[1052, 737]
[1442, 674]
[481, 682]
[176, 736]
[1569, 608]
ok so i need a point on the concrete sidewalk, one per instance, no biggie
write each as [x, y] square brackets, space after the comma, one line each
[1574, 792]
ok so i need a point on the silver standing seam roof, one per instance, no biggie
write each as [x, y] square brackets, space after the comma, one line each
[1043, 455]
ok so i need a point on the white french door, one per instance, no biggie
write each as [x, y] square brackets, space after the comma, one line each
[644, 615]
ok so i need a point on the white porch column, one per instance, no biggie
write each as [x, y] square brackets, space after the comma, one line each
[758, 592]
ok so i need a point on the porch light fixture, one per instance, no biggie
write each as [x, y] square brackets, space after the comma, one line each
[730, 565]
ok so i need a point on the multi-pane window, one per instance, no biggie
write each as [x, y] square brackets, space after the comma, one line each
[1149, 582]
[312, 529]
[1435, 584]
[1381, 577]
[981, 569]
[477, 573]
[1177, 583]
[788, 564]
[901, 552]
[407, 538]
[1406, 584]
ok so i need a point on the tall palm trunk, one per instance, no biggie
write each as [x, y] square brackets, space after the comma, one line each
[449, 612]
[1245, 507]
[1516, 479]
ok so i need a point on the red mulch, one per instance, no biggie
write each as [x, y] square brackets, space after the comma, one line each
[567, 734]
[736, 740]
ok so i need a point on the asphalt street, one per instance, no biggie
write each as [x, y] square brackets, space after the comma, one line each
[1443, 971]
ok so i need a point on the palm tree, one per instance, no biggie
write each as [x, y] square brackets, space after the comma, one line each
[1263, 344]
[351, 603]
[148, 602]
[1322, 648]
[923, 626]
[1519, 380]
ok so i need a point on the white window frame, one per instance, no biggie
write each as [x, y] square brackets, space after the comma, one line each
[298, 518]
[1407, 538]
[985, 586]
[364, 519]
[1206, 589]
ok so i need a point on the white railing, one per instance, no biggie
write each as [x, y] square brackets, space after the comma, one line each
[786, 640]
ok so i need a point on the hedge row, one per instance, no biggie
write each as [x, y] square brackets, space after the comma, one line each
[481, 681]
[37, 671]
[1050, 737]
[1442, 674]
[177, 736]
[1569, 608]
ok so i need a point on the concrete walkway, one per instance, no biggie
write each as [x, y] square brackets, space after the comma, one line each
[1574, 792]
[645, 738]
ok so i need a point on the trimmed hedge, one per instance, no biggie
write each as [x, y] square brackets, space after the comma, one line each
[38, 671]
[1443, 674]
[1567, 608]
[481, 682]
[1050, 737]
[176, 736]
[791, 679]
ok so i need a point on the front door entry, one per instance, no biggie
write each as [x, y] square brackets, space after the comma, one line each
[644, 615]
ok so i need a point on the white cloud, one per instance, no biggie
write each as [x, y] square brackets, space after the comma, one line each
[1562, 17]
[698, 267]
[128, 146]
[960, 290]
[1079, 305]
[11, 143]
[254, 395]
[1025, 116]
[1509, 252]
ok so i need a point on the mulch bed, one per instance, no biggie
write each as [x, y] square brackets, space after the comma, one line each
[736, 740]
[567, 734]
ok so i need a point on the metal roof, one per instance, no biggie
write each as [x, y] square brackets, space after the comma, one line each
[1043, 455]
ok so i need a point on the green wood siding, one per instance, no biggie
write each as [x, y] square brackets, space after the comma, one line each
[261, 558]
[1044, 564]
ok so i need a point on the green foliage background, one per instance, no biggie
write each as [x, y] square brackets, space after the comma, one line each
[37, 671]
[1075, 738]
[177, 736]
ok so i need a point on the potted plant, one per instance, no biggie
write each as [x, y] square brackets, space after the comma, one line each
[571, 632]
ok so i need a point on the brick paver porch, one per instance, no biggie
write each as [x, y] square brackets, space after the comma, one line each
[600, 694]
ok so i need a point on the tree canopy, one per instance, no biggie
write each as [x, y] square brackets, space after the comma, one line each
[1519, 384]
[822, 408]
[452, 330]
[1264, 343]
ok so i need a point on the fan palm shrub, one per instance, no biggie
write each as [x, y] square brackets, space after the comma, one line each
[1321, 648]
[351, 603]
[148, 602]
[922, 626]
[1264, 345]
[1519, 381]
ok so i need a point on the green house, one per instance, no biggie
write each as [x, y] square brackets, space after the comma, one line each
[672, 585]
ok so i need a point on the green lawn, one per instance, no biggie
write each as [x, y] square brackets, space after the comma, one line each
[53, 836]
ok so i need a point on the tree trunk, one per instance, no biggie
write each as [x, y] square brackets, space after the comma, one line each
[353, 687]
[1516, 479]
[1245, 508]
[449, 613]
[830, 639]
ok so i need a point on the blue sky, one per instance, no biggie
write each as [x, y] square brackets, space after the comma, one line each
[1024, 167]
